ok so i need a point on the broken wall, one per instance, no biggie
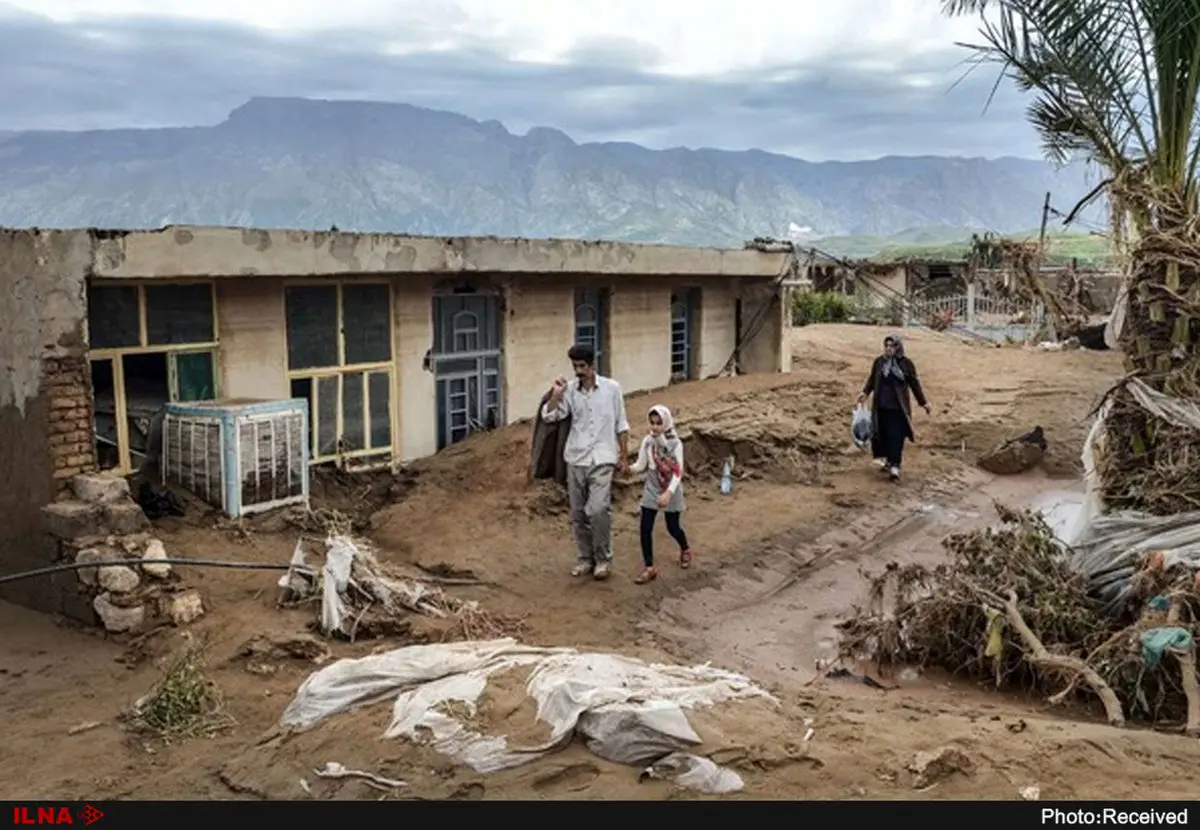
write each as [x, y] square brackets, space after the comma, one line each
[45, 395]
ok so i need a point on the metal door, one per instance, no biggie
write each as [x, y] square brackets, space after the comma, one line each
[681, 336]
[466, 365]
[590, 322]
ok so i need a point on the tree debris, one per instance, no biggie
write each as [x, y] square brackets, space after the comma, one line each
[1010, 608]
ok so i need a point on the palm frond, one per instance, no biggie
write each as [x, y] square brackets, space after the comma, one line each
[1113, 81]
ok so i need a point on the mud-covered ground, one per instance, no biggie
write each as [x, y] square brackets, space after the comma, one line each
[779, 561]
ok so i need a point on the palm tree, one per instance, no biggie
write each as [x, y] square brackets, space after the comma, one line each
[1116, 82]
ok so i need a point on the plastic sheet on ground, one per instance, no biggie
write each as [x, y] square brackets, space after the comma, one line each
[1107, 547]
[695, 773]
[627, 711]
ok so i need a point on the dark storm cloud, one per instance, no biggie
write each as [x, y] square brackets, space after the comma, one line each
[146, 71]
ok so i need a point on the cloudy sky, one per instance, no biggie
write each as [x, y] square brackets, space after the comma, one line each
[819, 79]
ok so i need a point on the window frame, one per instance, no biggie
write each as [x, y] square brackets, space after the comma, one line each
[368, 456]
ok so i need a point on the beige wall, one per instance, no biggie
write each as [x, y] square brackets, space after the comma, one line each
[414, 410]
[639, 336]
[539, 326]
[253, 339]
[539, 329]
[717, 335]
[768, 350]
[253, 353]
[191, 251]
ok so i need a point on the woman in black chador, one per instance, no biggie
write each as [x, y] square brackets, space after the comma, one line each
[892, 376]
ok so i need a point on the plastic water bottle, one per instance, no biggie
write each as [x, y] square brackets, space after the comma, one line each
[727, 477]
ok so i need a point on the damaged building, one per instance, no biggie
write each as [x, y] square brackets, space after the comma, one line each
[883, 286]
[385, 347]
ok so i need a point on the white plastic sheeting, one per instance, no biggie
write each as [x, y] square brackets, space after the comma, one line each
[695, 773]
[339, 559]
[1107, 548]
[1116, 320]
[628, 711]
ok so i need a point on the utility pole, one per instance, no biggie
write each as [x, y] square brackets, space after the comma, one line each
[1038, 287]
[1045, 219]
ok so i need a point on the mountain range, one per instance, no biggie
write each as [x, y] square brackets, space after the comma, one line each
[368, 166]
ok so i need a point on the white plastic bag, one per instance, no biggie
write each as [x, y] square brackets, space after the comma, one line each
[860, 427]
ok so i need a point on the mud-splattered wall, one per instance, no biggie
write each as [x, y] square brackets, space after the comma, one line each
[45, 397]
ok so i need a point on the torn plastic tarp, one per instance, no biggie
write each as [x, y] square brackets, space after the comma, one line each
[1107, 548]
[627, 711]
[695, 773]
[339, 559]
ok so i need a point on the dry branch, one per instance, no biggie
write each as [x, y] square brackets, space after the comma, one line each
[1039, 655]
[1050, 627]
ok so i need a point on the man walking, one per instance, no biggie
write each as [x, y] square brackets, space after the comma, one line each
[597, 446]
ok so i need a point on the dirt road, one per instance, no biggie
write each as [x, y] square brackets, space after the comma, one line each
[778, 564]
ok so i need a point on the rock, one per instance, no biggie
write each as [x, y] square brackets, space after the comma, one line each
[68, 519]
[155, 550]
[118, 579]
[932, 767]
[88, 575]
[119, 619]
[97, 488]
[301, 647]
[136, 543]
[1033, 793]
[1012, 458]
[127, 600]
[125, 518]
[184, 607]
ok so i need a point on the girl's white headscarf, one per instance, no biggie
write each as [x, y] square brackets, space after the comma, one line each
[668, 422]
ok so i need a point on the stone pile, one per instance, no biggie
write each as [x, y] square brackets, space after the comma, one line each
[102, 523]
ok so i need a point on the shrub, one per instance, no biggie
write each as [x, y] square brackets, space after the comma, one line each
[821, 307]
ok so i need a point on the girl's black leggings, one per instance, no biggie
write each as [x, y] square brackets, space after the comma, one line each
[673, 527]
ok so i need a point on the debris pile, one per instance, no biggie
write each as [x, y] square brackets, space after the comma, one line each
[1148, 455]
[103, 524]
[1014, 605]
[792, 434]
[360, 597]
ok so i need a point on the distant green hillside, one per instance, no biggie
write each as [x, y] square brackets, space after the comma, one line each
[954, 244]
[866, 247]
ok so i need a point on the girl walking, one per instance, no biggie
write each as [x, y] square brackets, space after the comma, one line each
[661, 458]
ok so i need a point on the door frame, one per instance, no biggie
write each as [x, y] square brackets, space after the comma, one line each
[603, 307]
[689, 299]
[476, 413]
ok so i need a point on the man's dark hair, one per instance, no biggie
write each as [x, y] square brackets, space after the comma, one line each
[582, 353]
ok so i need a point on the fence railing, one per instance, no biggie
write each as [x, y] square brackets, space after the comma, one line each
[993, 317]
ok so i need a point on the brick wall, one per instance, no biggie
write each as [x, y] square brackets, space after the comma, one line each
[66, 382]
[45, 415]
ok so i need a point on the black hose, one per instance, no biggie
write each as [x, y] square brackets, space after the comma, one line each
[204, 563]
